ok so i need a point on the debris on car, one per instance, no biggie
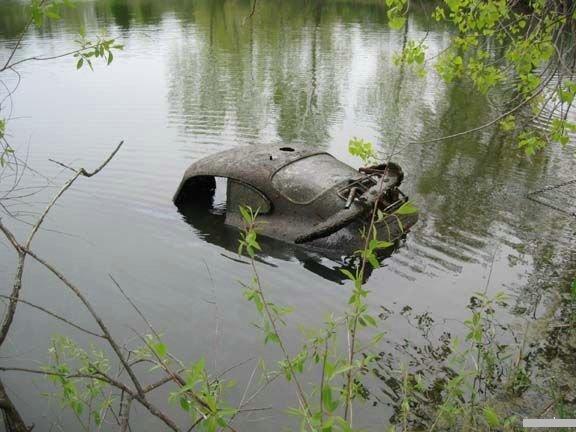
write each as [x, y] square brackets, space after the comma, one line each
[303, 196]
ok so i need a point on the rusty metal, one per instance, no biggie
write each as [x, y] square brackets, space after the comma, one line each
[351, 195]
[307, 196]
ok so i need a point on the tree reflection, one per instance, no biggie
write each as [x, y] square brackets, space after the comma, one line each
[305, 71]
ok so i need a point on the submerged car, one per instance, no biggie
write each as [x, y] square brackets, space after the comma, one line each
[303, 196]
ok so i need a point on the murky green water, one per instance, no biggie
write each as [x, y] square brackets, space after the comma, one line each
[195, 78]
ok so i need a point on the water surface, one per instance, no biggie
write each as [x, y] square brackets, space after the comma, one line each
[197, 77]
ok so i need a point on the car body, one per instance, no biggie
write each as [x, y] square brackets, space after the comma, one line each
[303, 196]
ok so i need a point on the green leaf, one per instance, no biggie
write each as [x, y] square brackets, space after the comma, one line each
[508, 123]
[110, 57]
[37, 16]
[406, 209]
[77, 406]
[327, 398]
[370, 320]
[491, 417]
[245, 214]
[377, 338]
[160, 349]
[348, 274]
[363, 149]
[185, 404]
[397, 22]
[373, 261]
[271, 337]
[52, 14]
[97, 418]
[80, 63]
[379, 244]
[340, 371]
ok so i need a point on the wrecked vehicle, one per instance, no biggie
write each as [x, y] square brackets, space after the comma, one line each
[304, 196]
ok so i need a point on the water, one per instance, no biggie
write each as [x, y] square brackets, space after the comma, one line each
[197, 77]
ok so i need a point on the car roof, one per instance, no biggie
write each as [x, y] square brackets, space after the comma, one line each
[255, 164]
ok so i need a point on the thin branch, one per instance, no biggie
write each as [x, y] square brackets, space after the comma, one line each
[231, 368]
[10, 238]
[125, 413]
[104, 378]
[18, 42]
[97, 170]
[174, 376]
[300, 392]
[96, 376]
[138, 311]
[252, 12]
[352, 331]
[63, 165]
[106, 332]
[157, 384]
[66, 54]
[14, 421]
[17, 286]
[476, 129]
[54, 315]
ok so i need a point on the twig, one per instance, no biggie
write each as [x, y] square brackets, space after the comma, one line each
[322, 382]
[106, 333]
[138, 311]
[24, 250]
[352, 331]
[476, 129]
[63, 165]
[301, 395]
[252, 12]
[231, 368]
[125, 413]
[21, 250]
[18, 42]
[174, 376]
[107, 379]
[54, 315]
[66, 54]
[14, 421]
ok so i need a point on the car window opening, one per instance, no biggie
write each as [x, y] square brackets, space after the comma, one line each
[219, 195]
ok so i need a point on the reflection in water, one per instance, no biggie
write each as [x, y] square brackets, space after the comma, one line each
[197, 77]
[207, 216]
[224, 80]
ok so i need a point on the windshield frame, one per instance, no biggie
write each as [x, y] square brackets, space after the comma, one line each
[337, 163]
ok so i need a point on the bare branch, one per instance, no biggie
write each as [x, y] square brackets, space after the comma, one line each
[106, 332]
[66, 54]
[14, 421]
[63, 165]
[125, 413]
[252, 12]
[52, 314]
[104, 378]
[97, 170]
[9, 317]
[138, 311]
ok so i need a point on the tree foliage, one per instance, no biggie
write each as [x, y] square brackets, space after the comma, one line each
[526, 47]
[87, 49]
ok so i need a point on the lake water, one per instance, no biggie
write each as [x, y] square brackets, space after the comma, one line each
[198, 77]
